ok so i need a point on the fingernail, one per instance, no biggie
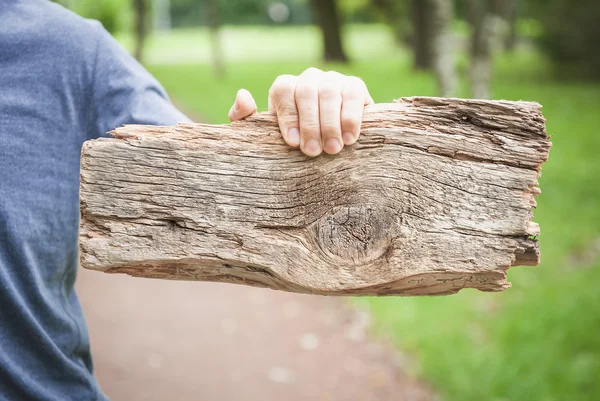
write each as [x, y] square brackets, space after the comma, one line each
[312, 147]
[349, 138]
[332, 146]
[236, 107]
[293, 137]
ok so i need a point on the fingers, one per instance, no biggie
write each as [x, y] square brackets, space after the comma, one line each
[330, 105]
[243, 106]
[307, 102]
[354, 98]
[282, 101]
[318, 111]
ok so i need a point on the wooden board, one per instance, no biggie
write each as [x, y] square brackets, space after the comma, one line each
[436, 196]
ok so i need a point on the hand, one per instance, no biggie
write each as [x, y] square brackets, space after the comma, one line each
[317, 110]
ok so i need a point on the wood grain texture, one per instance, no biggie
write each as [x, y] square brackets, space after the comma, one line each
[436, 196]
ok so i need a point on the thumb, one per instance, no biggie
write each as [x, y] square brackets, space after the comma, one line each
[243, 106]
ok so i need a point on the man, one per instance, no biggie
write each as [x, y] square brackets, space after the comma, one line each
[64, 80]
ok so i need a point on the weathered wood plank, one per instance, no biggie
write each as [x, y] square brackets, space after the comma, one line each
[436, 196]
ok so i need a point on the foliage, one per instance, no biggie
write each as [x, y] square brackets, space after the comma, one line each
[358, 11]
[571, 34]
[236, 12]
[397, 15]
[115, 15]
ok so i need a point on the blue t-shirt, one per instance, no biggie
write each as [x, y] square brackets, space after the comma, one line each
[63, 80]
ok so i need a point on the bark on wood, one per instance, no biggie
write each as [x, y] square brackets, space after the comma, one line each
[436, 196]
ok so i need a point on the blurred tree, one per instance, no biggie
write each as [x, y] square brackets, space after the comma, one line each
[422, 34]
[326, 16]
[442, 46]
[213, 22]
[486, 21]
[161, 15]
[112, 14]
[140, 8]
[570, 34]
[432, 37]
[358, 11]
[395, 14]
[350, 7]
[240, 12]
[511, 12]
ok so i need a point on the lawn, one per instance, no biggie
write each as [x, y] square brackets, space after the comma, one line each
[249, 43]
[539, 340]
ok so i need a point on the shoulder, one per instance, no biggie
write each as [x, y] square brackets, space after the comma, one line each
[50, 29]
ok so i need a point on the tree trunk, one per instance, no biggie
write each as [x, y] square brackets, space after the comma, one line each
[141, 27]
[436, 196]
[443, 46]
[422, 34]
[394, 13]
[326, 16]
[486, 19]
[161, 15]
[213, 21]
[511, 14]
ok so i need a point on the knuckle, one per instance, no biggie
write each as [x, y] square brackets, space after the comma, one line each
[285, 79]
[304, 90]
[350, 122]
[330, 128]
[288, 119]
[310, 130]
[352, 94]
[355, 81]
[354, 88]
[288, 122]
[333, 76]
[287, 110]
[329, 91]
[283, 85]
[311, 71]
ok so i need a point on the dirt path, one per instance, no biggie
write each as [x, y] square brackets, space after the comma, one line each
[160, 340]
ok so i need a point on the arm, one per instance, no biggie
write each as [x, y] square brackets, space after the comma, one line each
[123, 92]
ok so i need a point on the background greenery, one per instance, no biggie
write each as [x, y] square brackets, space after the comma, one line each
[567, 31]
[539, 340]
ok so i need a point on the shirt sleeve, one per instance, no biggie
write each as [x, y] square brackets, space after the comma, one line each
[123, 92]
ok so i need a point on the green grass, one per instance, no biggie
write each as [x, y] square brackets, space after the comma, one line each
[539, 340]
[258, 43]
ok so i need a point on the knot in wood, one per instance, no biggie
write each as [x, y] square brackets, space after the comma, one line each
[354, 233]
